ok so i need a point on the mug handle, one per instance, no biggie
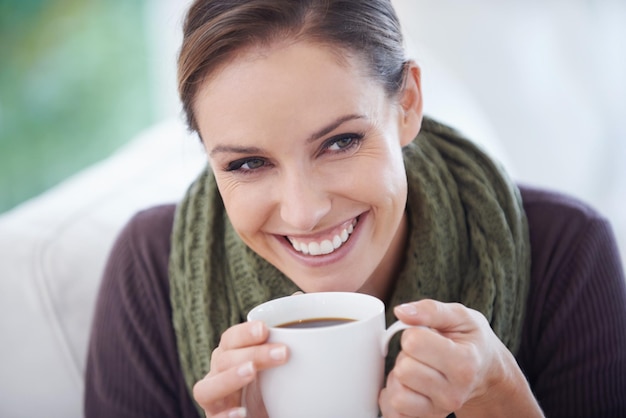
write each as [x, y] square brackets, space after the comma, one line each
[390, 332]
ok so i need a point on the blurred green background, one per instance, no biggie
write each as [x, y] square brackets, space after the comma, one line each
[73, 88]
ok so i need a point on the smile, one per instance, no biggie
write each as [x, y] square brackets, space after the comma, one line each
[325, 246]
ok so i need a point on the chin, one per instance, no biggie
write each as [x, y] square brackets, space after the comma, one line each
[329, 284]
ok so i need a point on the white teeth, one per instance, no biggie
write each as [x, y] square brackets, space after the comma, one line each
[314, 248]
[327, 246]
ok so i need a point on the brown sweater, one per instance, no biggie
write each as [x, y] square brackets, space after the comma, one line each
[573, 348]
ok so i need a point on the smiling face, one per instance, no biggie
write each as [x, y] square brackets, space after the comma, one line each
[306, 151]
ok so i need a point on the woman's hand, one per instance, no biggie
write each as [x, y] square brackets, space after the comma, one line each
[453, 363]
[242, 352]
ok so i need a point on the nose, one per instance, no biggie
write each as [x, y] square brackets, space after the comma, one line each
[304, 201]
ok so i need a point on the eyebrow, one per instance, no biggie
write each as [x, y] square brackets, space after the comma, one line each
[332, 126]
[234, 149]
[312, 138]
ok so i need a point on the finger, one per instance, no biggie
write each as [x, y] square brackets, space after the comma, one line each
[418, 376]
[245, 334]
[215, 392]
[438, 367]
[398, 401]
[458, 361]
[262, 356]
[438, 315]
[424, 380]
[429, 347]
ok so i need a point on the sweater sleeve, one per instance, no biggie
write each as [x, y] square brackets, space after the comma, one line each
[132, 365]
[575, 330]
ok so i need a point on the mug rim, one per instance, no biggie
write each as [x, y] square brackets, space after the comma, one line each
[378, 308]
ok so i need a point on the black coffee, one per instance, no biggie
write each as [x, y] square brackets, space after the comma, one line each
[315, 323]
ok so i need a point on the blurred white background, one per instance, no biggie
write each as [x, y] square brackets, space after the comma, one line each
[549, 77]
[543, 83]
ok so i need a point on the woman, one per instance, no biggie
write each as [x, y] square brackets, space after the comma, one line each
[324, 175]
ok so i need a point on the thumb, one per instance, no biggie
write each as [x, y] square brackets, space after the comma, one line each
[436, 315]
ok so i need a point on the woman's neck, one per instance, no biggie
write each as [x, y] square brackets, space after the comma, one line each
[382, 281]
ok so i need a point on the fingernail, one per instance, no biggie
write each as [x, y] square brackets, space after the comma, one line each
[246, 369]
[238, 413]
[299, 292]
[408, 309]
[278, 353]
[257, 330]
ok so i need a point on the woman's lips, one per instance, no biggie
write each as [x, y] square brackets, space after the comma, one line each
[323, 245]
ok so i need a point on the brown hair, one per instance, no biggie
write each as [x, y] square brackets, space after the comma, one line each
[216, 30]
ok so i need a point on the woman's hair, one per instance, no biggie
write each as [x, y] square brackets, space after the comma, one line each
[216, 30]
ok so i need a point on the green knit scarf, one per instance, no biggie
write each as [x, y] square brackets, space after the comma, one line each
[468, 243]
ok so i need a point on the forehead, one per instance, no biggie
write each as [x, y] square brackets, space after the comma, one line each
[286, 84]
[280, 60]
[258, 50]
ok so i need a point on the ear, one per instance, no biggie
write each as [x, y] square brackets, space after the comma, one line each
[411, 105]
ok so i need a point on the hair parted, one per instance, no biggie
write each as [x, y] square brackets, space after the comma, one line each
[216, 30]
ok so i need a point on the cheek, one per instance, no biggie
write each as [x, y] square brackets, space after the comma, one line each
[385, 177]
[396, 171]
[246, 206]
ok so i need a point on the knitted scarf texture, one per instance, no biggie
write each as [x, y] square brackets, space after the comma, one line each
[468, 242]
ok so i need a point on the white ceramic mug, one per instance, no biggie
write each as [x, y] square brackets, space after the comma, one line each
[333, 371]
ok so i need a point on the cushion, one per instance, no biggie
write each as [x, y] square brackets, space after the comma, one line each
[52, 252]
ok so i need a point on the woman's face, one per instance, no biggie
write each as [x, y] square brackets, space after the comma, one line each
[306, 151]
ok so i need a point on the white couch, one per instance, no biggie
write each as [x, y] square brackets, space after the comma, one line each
[52, 251]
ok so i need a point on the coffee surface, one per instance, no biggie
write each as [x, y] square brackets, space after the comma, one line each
[315, 322]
